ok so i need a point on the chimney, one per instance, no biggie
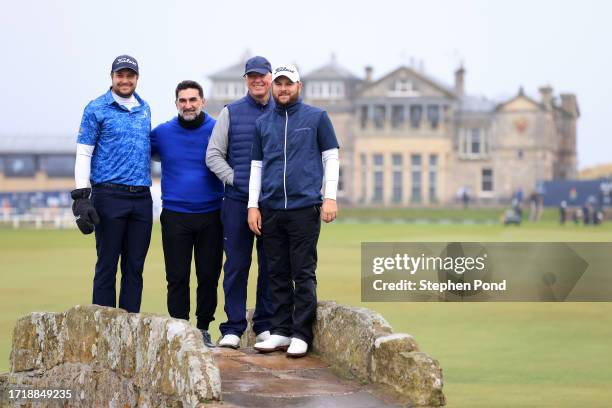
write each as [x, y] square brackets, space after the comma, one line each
[546, 93]
[368, 73]
[569, 104]
[460, 81]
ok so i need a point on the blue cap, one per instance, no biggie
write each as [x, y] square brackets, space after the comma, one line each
[125, 61]
[257, 64]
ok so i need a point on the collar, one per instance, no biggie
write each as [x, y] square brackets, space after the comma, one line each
[256, 103]
[193, 124]
[290, 109]
[108, 98]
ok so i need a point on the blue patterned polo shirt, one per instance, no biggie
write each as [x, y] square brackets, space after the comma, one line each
[122, 152]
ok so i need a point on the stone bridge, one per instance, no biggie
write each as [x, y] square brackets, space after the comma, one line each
[108, 357]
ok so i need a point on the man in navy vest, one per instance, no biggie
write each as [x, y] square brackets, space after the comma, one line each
[191, 201]
[229, 157]
[294, 149]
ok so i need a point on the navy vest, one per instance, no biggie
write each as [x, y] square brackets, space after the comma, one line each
[243, 114]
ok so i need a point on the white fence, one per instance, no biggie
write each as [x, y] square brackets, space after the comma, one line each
[58, 218]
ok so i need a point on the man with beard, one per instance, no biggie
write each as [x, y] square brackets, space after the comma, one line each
[295, 146]
[113, 155]
[191, 202]
[229, 156]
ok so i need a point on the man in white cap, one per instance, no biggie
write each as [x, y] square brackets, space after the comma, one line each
[294, 149]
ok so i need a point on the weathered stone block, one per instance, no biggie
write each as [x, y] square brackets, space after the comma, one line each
[345, 336]
[114, 358]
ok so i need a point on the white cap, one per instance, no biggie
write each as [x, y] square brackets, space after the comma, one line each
[288, 70]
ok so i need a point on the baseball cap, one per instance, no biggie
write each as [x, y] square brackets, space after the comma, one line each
[288, 70]
[125, 61]
[257, 64]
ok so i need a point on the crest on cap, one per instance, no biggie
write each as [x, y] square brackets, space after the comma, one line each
[287, 70]
[125, 61]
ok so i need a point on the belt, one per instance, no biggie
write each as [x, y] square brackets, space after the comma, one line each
[131, 189]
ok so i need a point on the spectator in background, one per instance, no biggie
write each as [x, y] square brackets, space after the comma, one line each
[563, 212]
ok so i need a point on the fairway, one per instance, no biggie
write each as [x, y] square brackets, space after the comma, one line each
[492, 354]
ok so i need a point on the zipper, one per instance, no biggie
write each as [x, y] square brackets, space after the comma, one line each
[285, 164]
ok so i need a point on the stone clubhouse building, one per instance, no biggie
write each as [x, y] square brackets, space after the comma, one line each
[408, 139]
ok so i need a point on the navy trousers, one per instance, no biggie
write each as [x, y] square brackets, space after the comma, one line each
[238, 246]
[124, 231]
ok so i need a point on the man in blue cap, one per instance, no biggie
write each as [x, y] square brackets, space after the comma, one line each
[229, 157]
[113, 157]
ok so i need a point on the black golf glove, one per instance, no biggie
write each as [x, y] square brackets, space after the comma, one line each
[83, 210]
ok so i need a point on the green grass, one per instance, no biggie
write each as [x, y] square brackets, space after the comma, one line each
[492, 354]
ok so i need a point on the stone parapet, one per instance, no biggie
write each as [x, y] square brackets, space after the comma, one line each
[360, 343]
[109, 357]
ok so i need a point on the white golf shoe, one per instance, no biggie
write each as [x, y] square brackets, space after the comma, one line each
[230, 341]
[264, 335]
[298, 348]
[274, 343]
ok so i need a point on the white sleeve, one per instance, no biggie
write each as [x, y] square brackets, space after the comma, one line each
[331, 163]
[82, 165]
[254, 184]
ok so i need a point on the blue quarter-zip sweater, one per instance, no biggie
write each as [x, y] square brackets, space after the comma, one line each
[188, 186]
[289, 141]
[243, 114]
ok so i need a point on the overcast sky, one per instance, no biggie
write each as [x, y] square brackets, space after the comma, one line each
[56, 55]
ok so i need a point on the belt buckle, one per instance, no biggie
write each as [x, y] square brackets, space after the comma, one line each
[133, 189]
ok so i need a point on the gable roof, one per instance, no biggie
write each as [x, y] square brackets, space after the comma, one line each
[447, 90]
[332, 70]
[520, 95]
[233, 72]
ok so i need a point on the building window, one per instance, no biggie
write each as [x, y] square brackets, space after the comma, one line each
[20, 166]
[379, 116]
[364, 116]
[364, 176]
[378, 178]
[229, 90]
[403, 87]
[58, 165]
[433, 115]
[398, 178]
[416, 111]
[397, 116]
[487, 180]
[416, 172]
[475, 141]
[433, 178]
[325, 90]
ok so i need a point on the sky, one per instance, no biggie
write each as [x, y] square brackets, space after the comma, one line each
[56, 55]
